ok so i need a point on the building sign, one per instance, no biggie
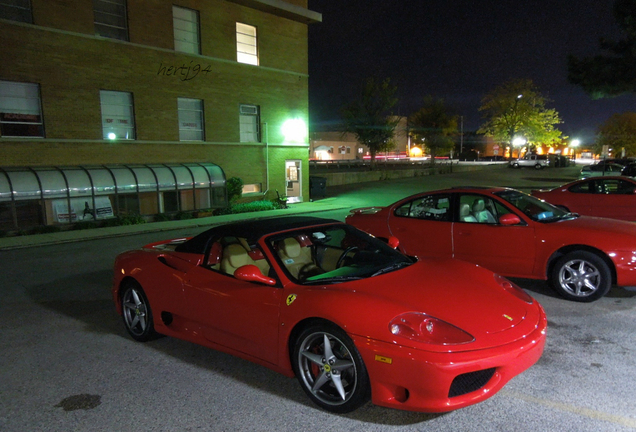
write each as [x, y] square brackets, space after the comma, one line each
[81, 209]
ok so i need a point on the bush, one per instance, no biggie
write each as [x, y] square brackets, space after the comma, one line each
[183, 215]
[253, 206]
[161, 217]
[133, 219]
[84, 225]
[234, 187]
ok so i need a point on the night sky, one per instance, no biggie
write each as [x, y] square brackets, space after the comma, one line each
[459, 50]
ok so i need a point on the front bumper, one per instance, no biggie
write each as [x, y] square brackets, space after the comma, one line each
[410, 379]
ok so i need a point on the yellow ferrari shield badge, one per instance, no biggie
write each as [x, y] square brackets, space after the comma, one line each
[290, 299]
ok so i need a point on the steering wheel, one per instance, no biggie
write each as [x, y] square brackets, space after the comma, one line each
[344, 255]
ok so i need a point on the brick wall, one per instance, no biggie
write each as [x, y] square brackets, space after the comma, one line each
[71, 65]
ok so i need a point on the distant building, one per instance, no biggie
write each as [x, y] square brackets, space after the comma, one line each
[119, 107]
[332, 145]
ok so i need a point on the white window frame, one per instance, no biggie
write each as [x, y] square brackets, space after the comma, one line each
[185, 23]
[16, 10]
[249, 123]
[20, 108]
[110, 18]
[191, 119]
[246, 44]
[118, 115]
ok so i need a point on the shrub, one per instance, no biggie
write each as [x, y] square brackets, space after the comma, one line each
[234, 187]
[182, 215]
[161, 217]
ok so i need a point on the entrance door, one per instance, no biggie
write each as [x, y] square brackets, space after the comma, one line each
[293, 180]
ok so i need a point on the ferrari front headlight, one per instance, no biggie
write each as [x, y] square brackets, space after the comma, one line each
[421, 327]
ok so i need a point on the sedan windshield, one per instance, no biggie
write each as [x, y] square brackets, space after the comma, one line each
[536, 209]
[334, 253]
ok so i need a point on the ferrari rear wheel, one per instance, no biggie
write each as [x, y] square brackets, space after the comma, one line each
[330, 369]
[136, 312]
[581, 276]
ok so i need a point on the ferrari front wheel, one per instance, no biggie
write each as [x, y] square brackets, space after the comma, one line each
[330, 369]
[581, 276]
[136, 312]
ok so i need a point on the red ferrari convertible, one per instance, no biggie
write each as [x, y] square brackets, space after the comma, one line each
[611, 197]
[351, 317]
[511, 233]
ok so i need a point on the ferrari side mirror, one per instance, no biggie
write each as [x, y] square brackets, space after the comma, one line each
[251, 273]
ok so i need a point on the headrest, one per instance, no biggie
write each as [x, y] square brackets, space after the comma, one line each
[236, 255]
[290, 247]
[479, 205]
[464, 210]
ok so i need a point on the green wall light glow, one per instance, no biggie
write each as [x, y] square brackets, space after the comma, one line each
[294, 130]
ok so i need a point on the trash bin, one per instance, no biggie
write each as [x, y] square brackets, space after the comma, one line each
[317, 187]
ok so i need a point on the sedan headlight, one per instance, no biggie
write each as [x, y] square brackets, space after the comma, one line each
[421, 327]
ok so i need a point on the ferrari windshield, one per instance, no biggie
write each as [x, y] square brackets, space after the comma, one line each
[334, 253]
[536, 209]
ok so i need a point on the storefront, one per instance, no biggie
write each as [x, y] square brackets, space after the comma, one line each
[59, 195]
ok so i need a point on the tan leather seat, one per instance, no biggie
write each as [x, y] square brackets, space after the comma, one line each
[295, 257]
[234, 256]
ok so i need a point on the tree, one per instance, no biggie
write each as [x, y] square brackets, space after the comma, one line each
[433, 126]
[618, 133]
[369, 117]
[614, 73]
[517, 109]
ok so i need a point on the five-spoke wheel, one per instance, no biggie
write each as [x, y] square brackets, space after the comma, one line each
[581, 276]
[330, 369]
[136, 312]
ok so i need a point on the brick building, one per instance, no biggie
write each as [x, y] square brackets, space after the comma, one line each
[147, 106]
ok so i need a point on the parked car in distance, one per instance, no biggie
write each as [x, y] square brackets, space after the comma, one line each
[600, 169]
[629, 170]
[535, 161]
[513, 234]
[610, 196]
[351, 317]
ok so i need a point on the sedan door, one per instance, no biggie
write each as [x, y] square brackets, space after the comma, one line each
[615, 198]
[423, 225]
[480, 239]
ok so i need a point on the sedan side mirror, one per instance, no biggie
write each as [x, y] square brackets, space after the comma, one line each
[393, 242]
[251, 273]
[509, 219]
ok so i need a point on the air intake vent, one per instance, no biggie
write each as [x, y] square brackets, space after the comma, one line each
[470, 382]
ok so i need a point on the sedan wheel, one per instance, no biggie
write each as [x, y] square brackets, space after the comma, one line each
[581, 276]
[330, 369]
[136, 312]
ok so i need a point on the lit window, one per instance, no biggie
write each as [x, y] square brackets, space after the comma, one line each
[110, 19]
[191, 119]
[246, 48]
[251, 188]
[118, 121]
[186, 30]
[249, 120]
[16, 10]
[20, 110]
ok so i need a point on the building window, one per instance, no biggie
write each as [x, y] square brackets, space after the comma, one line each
[251, 188]
[118, 120]
[110, 19]
[20, 110]
[16, 10]
[246, 48]
[250, 120]
[191, 119]
[186, 30]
